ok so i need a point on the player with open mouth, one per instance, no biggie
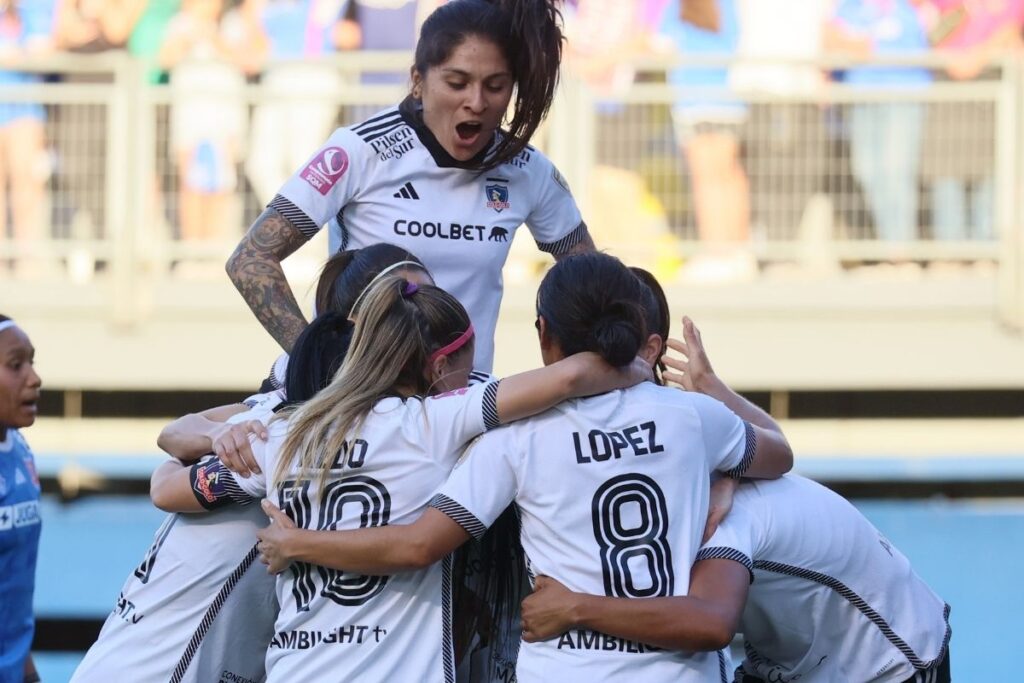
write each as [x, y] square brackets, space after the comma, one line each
[454, 152]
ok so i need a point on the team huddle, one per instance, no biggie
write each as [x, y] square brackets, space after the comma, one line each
[422, 520]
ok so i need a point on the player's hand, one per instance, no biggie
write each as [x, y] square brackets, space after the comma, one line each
[693, 371]
[274, 538]
[719, 504]
[234, 448]
[547, 612]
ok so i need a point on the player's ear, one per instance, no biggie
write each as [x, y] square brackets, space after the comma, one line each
[542, 333]
[652, 349]
[438, 368]
[417, 83]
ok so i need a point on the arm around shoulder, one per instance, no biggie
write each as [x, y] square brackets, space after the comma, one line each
[376, 550]
[582, 374]
[704, 620]
[191, 436]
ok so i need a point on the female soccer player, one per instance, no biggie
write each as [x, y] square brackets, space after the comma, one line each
[434, 174]
[345, 276]
[406, 343]
[19, 503]
[829, 597]
[371, 449]
[197, 586]
[612, 489]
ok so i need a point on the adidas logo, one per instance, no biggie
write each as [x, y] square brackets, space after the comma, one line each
[407, 192]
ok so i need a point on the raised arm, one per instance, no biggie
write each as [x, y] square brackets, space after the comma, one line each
[704, 620]
[255, 269]
[582, 374]
[191, 436]
[773, 456]
[374, 550]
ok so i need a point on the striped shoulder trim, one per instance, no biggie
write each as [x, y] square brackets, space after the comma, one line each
[723, 670]
[723, 553]
[477, 377]
[748, 452]
[294, 215]
[211, 614]
[490, 407]
[375, 120]
[380, 125]
[460, 515]
[565, 244]
[863, 607]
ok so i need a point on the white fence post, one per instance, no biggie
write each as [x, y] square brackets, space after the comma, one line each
[1009, 216]
[121, 189]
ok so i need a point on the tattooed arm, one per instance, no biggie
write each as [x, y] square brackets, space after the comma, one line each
[584, 245]
[255, 269]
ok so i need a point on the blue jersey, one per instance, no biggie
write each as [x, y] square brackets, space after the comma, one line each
[19, 546]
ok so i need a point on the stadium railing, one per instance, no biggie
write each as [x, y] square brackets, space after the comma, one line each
[112, 202]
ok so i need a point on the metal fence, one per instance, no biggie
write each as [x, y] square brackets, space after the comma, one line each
[114, 205]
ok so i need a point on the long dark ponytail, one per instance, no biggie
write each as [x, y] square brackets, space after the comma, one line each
[317, 355]
[530, 36]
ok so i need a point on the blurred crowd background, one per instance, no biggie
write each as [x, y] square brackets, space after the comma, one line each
[832, 189]
[711, 139]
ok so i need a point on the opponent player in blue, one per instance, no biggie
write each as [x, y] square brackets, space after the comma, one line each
[19, 503]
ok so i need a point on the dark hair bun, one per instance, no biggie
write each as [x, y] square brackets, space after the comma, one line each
[617, 335]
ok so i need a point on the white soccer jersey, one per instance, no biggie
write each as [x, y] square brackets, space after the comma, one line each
[199, 607]
[613, 494]
[343, 627]
[831, 599]
[389, 180]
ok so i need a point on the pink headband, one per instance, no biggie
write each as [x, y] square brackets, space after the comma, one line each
[451, 348]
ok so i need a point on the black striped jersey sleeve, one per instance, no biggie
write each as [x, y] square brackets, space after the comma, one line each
[483, 483]
[318, 191]
[554, 220]
[214, 487]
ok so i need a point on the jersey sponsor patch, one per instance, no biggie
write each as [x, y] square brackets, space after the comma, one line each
[125, 609]
[326, 169]
[593, 640]
[19, 515]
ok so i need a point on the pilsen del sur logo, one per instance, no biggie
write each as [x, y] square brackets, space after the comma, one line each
[326, 169]
[497, 194]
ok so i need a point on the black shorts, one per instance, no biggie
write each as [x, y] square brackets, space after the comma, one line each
[938, 673]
